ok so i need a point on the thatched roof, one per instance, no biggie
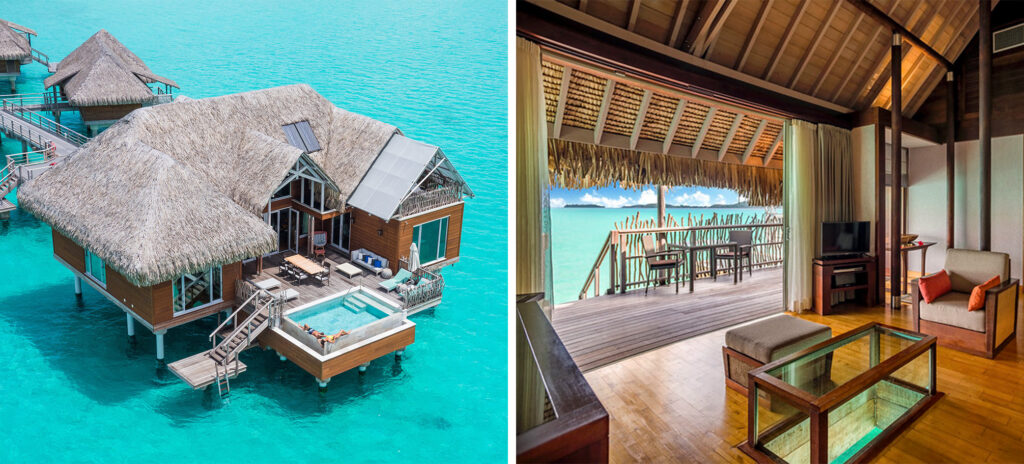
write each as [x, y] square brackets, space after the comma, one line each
[102, 71]
[14, 45]
[179, 187]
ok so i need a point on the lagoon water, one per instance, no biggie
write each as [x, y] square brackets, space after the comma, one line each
[72, 387]
[578, 233]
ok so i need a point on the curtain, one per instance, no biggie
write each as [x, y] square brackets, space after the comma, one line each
[799, 220]
[835, 174]
[532, 226]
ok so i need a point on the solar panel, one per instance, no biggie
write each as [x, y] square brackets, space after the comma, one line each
[293, 136]
[308, 138]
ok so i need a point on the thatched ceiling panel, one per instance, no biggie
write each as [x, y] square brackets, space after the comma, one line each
[583, 101]
[623, 110]
[552, 85]
[659, 117]
[690, 123]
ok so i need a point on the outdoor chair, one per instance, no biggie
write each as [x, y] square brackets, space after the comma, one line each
[324, 277]
[744, 238]
[660, 260]
[983, 332]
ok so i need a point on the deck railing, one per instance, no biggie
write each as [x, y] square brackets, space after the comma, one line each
[21, 111]
[426, 292]
[429, 199]
[621, 257]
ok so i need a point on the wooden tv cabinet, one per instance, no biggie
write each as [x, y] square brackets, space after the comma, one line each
[843, 275]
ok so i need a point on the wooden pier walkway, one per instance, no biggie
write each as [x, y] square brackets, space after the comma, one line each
[200, 371]
[602, 330]
[37, 134]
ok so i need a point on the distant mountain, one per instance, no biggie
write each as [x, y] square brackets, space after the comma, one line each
[741, 204]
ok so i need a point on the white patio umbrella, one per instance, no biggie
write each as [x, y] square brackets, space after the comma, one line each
[414, 257]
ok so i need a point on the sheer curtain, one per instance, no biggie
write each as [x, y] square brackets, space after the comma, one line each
[798, 207]
[532, 226]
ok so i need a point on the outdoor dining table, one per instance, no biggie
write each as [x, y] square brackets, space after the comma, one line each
[690, 249]
[305, 264]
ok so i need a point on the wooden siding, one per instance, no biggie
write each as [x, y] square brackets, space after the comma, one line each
[340, 363]
[454, 214]
[69, 251]
[106, 112]
[364, 235]
[11, 67]
[138, 299]
[163, 295]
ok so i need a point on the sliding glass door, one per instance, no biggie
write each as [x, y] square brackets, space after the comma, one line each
[340, 231]
[432, 239]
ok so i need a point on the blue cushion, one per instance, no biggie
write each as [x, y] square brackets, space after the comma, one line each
[376, 263]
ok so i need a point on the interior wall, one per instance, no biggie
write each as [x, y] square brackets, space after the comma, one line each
[864, 176]
[926, 206]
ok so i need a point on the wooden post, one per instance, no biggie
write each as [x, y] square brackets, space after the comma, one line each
[880, 207]
[950, 158]
[985, 121]
[895, 226]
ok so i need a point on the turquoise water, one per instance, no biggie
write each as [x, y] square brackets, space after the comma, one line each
[74, 390]
[348, 312]
[577, 235]
[856, 447]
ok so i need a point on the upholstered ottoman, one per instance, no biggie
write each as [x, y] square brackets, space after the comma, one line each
[754, 345]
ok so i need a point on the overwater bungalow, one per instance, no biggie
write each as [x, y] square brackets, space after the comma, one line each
[15, 50]
[104, 81]
[318, 230]
[882, 327]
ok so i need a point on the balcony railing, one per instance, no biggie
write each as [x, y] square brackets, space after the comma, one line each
[621, 257]
[425, 292]
[430, 199]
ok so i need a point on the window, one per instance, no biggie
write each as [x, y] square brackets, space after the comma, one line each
[431, 238]
[284, 192]
[300, 136]
[304, 230]
[95, 268]
[340, 231]
[312, 194]
[192, 291]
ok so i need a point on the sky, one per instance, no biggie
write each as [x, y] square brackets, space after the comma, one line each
[617, 197]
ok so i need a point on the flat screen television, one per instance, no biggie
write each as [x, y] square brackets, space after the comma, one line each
[845, 238]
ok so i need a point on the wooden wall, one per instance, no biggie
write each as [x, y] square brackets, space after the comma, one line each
[365, 227]
[10, 66]
[69, 251]
[106, 112]
[454, 214]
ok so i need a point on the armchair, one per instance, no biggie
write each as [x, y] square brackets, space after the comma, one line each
[660, 260]
[983, 332]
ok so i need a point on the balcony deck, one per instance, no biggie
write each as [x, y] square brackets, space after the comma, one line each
[602, 330]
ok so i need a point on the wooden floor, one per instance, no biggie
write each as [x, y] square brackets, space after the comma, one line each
[602, 330]
[311, 289]
[671, 404]
[198, 370]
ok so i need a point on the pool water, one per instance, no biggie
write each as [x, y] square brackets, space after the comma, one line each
[74, 390]
[347, 312]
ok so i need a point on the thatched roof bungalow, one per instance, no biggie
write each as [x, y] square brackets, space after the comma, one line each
[106, 81]
[15, 50]
[188, 190]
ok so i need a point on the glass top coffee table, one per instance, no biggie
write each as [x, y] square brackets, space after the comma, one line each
[841, 400]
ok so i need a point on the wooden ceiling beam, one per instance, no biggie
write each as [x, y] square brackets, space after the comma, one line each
[790, 29]
[753, 141]
[640, 116]
[709, 45]
[702, 25]
[890, 23]
[860, 58]
[582, 6]
[728, 137]
[634, 12]
[775, 146]
[814, 44]
[677, 23]
[951, 49]
[752, 34]
[703, 131]
[905, 47]
[563, 95]
[674, 126]
[602, 115]
[835, 55]
[921, 68]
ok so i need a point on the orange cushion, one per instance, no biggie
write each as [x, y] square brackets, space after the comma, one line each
[934, 286]
[978, 294]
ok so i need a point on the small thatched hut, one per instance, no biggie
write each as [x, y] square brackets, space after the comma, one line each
[15, 50]
[106, 81]
[159, 211]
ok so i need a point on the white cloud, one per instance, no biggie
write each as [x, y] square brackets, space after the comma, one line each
[648, 197]
[740, 198]
[697, 198]
[607, 202]
[557, 202]
[720, 199]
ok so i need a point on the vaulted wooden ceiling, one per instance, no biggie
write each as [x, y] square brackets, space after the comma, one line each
[827, 52]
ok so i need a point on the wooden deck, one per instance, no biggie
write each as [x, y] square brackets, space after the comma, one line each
[602, 330]
[199, 371]
[311, 289]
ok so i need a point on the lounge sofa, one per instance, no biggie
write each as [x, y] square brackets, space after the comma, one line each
[983, 332]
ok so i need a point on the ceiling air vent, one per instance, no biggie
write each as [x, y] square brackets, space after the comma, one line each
[1005, 39]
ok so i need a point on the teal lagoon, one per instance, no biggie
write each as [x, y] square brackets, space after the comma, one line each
[577, 235]
[75, 390]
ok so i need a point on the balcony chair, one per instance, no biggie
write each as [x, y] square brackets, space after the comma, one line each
[660, 261]
[983, 332]
[745, 238]
[319, 245]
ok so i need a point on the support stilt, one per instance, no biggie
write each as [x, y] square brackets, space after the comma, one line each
[160, 347]
[280, 356]
[78, 286]
[322, 384]
[14, 85]
[362, 367]
[24, 146]
[399, 354]
[131, 326]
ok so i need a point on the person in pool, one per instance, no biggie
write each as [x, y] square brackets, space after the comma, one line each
[312, 332]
